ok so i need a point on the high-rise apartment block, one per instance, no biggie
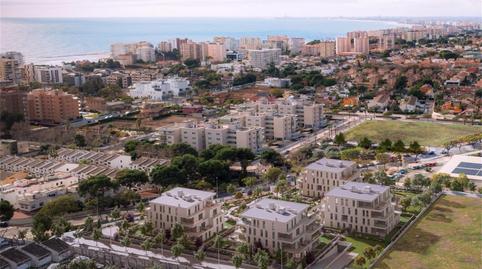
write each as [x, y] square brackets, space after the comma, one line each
[354, 43]
[295, 44]
[13, 101]
[141, 50]
[196, 211]
[10, 70]
[191, 50]
[360, 208]
[216, 52]
[263, 58]
[46, 74]
[325, 174]
[52, 106]
[250, 43]
[280, 225]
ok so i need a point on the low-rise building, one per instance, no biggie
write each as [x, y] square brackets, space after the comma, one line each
[360, 208]
[197, 211]
[59, 249]
[16, 259]
[280, 225]
[39, 255]
[162, 89]
[325, 174]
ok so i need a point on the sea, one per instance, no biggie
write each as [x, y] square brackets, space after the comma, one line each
[57, 40]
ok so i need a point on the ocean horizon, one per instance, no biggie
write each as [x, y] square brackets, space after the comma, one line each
[57, 40]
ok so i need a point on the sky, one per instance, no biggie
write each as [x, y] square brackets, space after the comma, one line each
[239, 8]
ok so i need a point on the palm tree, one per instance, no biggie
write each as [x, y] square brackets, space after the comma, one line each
[126, 242]
[21, 234]
[159, 240]
[262, 259]
[115, 213]
[218, 243]
[147, 245]
[96, 235]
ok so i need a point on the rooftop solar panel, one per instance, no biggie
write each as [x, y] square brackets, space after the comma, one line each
[470, 165]
[467, 172]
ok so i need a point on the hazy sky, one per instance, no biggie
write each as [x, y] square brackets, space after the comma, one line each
[238, 8]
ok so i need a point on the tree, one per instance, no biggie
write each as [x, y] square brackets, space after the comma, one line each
[6, 210]
[200, 255]
[22, 234]
[365, 143]
[415, 148]
[262, 259]
[115, 213]
[131, 177]
[243, 249]
[177, 231]
[407, 183]
[167, 175]
[188, 164]
[159, 240]
[245, 156]
[96, 235]
[192, 63]
[182, 149]
[351, 154]
[249, 181]
[147, 245]
[80, 141]
[421, 180]
[88, 225]
[456, 185]
[385, 145]
[125, 242]
[382, 158]
[218, 243]
[273, 174]
[340, 139]
[231, 188]
[406, 202]
[272, 157]
[463, 180]
[369, 253]
[360, 260]
[237, 260]
[398, 146]
[281, 186]
[177, 249]
[381, 177]
[290, 264]
[60, 226]
[96, 187]
[214, 171]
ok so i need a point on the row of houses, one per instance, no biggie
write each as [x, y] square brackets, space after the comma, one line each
[35, 255]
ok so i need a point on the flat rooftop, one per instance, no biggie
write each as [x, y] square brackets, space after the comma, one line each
[330, 165]
[182, 197]
[471, 166]
[274, 210]
[358, 191]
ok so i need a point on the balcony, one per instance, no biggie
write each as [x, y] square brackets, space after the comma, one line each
[285, 237]
[187, 221]
[380, 224]
[378, 215]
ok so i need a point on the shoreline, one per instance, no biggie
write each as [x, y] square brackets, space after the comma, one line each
[99, 55]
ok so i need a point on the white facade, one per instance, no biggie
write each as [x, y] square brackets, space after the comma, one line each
[325, 174]
[161, 89]
[361, 208]
[280, 225]
[197, 211]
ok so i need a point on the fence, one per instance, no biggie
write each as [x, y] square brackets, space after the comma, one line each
[403, 230]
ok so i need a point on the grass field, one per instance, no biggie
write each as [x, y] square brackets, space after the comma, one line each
[448, 236]
[426, 133]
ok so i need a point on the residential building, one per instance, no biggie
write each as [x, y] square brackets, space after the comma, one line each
[13, 101]
[280, 225]
[16, 258]
[191, 50]
[250, 43]
[353, 43]
[39, 255]
[52, 106]
[161, 89]
[360, 208]
[263, 58]
[216, 52]
[327, 49]
[59, 249]
[10, 70]
[325, 174]
[165, 46]
[196, 211]
[295, 44]
[145, 52]
[48, 74]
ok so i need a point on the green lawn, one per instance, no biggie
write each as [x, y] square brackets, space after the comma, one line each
[359, 244]
[448, 236]
[426, 133]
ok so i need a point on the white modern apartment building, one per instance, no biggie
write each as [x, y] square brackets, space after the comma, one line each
[295, 44]
[197, 211]
[48, 74]
[145, 52]
[161, 89]
[276, 126]
[360, 208]
[201, 136]
[250, 43]
[263, 58]
[325, 174]
[280, 225]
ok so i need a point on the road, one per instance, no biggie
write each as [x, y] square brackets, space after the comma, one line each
[328, 132]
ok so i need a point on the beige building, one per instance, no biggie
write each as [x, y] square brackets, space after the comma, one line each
[52, 106]
[191, 50]
[197, 211]
[361, 208]
[10, 70]
[280, 225]
[263, 58]
[325, 174]
[194, 135]
[216, 52]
